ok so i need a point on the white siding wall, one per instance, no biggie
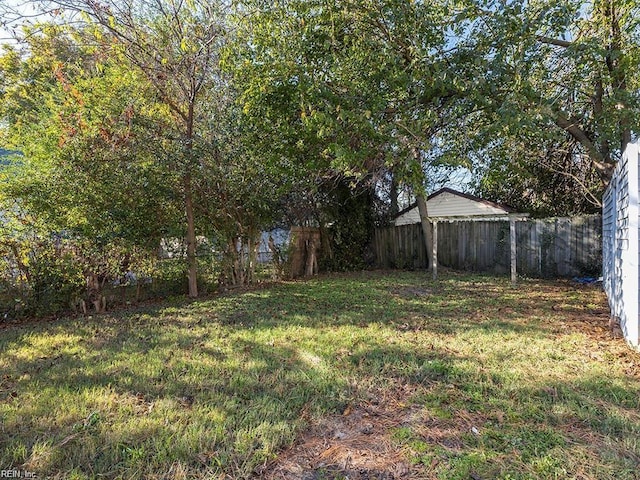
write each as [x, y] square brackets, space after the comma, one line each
[410, 217]
[621, 244]
[448, 204]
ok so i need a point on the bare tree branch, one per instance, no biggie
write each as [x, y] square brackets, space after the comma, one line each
[554, 41]
[571, 126]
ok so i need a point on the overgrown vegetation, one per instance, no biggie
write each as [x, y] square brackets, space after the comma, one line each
[45, 276]
[492, 381]
[139, 122]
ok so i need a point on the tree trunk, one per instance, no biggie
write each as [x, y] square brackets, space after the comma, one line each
[393, 196]
[22, 267]
[426, 227]
[192, 263]
[311, 265]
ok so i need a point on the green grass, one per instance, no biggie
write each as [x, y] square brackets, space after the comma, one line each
[508, 383]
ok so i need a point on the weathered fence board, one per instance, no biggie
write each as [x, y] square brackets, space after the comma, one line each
[557, 247]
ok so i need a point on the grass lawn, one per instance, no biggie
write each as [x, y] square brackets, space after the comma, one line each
[376, 375]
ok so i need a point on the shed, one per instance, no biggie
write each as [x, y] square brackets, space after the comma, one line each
[448, 205]
[451, 204]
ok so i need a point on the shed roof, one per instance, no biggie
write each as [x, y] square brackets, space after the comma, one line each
[468, 196]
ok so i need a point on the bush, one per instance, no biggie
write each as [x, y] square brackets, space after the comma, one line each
[57, 282]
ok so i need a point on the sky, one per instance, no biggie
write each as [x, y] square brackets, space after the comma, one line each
[10, 10]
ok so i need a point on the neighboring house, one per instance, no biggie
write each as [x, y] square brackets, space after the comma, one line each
[621, 245]
[176, 248]
[6, 154]
[280, 237]
[450, 204]
[5, 161]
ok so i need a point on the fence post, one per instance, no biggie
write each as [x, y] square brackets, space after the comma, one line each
[434, 256]
[512, 241]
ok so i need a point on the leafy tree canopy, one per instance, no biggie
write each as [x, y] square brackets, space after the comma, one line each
[564, 101]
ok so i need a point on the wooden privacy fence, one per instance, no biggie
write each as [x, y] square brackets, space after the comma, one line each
[556, 247]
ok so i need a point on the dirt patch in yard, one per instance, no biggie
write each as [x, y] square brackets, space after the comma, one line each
[362, 443]
[357, 445]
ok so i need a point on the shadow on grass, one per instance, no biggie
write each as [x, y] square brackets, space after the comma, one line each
[220, 386]
[446, 306]
[132, 395]
[590, 425]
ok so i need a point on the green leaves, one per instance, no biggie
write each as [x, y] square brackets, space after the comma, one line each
[86, 168]
[364, 78]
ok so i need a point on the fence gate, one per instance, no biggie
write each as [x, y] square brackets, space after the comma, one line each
[620, 247]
